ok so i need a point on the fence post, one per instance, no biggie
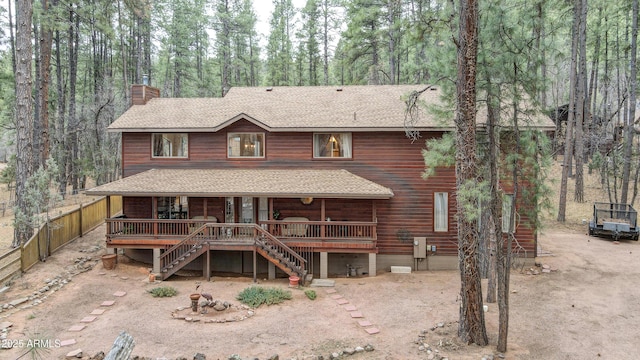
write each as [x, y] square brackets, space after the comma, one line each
[80, 222]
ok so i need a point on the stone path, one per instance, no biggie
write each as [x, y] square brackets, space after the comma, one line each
[353, 311]
[85, 321]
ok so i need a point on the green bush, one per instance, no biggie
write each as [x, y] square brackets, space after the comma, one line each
[255, 296]
[311, 294]
[163, 291]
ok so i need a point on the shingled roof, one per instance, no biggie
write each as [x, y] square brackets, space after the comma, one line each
[297, 108]
[290, 183]
[302, 108]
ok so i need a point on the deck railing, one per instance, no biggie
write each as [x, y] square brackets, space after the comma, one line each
[325, 230]
[285, 230]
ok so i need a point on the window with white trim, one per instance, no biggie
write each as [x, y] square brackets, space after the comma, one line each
[332, 145]
[245, 145]
[170, 145]
[441, 211]
[508, 224]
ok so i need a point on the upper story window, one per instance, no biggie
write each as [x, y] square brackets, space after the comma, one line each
[242, 145]
[332, 145]
[171, 145]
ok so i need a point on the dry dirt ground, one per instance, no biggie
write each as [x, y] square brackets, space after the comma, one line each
[587, 308]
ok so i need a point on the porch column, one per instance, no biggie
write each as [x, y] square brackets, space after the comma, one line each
[372, 264]
[156, 261]
[272, 271]
[324, 265]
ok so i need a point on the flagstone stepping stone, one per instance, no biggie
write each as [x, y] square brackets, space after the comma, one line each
[372, 330]
[67, 342]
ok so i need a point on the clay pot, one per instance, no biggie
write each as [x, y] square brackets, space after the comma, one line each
[293, 281]
[152, 277]
[109, 261]
[194, 297]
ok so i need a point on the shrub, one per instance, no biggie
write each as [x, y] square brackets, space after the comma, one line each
[311, 294]
[255, 296]
[163, 291]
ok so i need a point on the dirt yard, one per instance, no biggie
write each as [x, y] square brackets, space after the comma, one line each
[586, 308]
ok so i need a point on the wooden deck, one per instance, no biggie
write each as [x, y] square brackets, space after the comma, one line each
[330, 236]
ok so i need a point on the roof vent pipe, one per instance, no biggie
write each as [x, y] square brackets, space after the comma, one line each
[269, 89]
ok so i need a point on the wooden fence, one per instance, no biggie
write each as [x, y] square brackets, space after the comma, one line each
[59, 231]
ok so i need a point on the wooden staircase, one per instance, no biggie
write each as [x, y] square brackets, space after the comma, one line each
[184, 252]
[265, 244]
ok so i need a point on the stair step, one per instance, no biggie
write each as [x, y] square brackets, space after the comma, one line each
[164, 270]
[169, 266]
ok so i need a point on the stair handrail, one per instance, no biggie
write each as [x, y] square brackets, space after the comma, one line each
[274, 241]
[169, 251]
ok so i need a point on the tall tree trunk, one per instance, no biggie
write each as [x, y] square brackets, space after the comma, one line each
[12, 40]
[471, 327]
[44, 76]
[629, 125]
[60, 134]
[123, 53]
[495, 203]
[569, 136]
[325, 41]
[73, 127]
[24, 120]
[582, 108]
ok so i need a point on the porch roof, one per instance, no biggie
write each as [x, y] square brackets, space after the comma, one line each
[285, 183]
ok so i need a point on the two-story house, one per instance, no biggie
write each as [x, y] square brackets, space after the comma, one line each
[311, 180]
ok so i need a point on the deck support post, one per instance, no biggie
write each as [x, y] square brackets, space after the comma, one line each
[324, 265]
[272, 271]
[206, 266]
[255, 266]
[156, 261]
[372, 264]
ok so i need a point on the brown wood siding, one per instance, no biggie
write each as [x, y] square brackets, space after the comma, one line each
[137, 207]
[387, 158]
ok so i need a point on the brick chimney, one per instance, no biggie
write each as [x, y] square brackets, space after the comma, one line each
[140, 94]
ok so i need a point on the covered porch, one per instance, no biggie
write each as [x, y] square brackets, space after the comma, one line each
[321, 211]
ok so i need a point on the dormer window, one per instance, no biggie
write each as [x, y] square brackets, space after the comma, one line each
[245, 145]
[170, 145]
[332, 145]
